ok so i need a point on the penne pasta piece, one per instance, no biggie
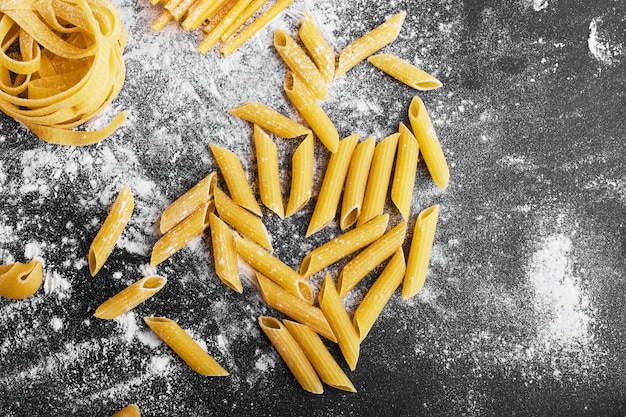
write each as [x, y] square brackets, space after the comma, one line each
[315, 44]
[200, 11]
[270, 266]
[332, 185]
[302, 166]
[269, 177]
[419, 253]
[370, 258]
[343, 245]
[355, 182]
[300, 64]
[378, 179]
[254, 7]
[251, 30]
[184, 205]
[111, 229]
[369, 43]
[404, 174]
[429, 143]
[294, 307]
[292, 354]
[270, 120]
[339, 321]
[404, 72]
[18, 280]
[183, 233]
[236, 180]
[131, 410]
[323, 362]
[241, 219]
[214, 35]
[224, 253]
[184, 346]
[161, 21]
[311, 111]
[378, 295]
[130, 297]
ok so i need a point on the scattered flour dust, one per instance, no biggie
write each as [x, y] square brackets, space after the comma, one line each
[606, 41]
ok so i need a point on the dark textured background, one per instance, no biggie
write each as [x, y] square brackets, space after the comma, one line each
[532, 123]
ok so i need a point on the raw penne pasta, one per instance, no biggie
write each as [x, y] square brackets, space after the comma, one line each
[241, 219]
[269, 177]
[130, 297]
[404, 173]
[311, 111]
[379, 294]
[343, 245]
[252, 8]
[184, 205]
[300, 64]
[235, 178]
[378, 179]
[323, 362]
[302, 166]
[369, 43]
[214, 35]
[270, 120]
[280, 299]
[184, 346]
[200, 11]
[131, 410]
[339, 321]
[292, 354]
[162, 21]
[332, 185]
[111, 229]
[419, 253]
[362, 264]
[183, 233]
[249, 31]
[429, 143]
[18, 280]
[315, 44]
[355, 182]
[224, 253]
[404, 72]
[270, 266]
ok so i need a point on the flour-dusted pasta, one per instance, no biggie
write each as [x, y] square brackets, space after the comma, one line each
[317, 47]
[199, 12]
[130, 297]
[184, 205]
[222, 26]
[302, 166]
[405, 72]
[224, 253]
[18, 280]
[270, 120]
[404, 173]
[252, 8]
[419, 253]
[355, 182]
[269, 177]
[131, 410]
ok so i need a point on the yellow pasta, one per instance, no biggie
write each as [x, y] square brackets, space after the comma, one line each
[356, 182]
[369, 43]
[184, 346]
[242, 18]
[162, 21]
[130, 297]
[419, 253]
[181, 9]
[269, 177]
[343, 245]
[236, 180]
[241, 219]
[270, 266]
[302, 166]
[430, 147]
[370, 258]
[404, 72]
[292, 354]
[280, 299]
[339, 321]
[184, 205]
[200, 11]
[311, 111]
[270, 120]
[378, 179]
[131, 410]
[224, 253]
[258, 24]
[317, 47]
[214, 35]
[111, 230]
[218, 15]
[404, 174]
[298, 61]
[332, 185]
[18, 280]
[183, 233]
[379, 294]
[321, 359]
